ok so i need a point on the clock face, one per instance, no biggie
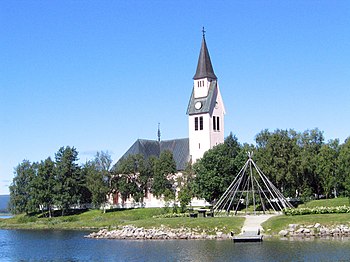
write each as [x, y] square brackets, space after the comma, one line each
[198, 105]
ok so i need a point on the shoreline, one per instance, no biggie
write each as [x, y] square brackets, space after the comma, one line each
[130, 232]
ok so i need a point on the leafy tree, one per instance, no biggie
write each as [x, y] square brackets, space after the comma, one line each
[164, 172]
[21, 187]
[311, 142]
[278, 156]
[344, 165]
[216, 169]
[97, 174]
[132, 177]
[68, 179]
[125, 177]
[44, 184]
[327, 166]
[185, 185]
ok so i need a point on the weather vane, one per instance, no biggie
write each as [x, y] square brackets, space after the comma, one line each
[203, 31]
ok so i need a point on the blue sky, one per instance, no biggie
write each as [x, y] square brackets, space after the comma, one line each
[97, 75]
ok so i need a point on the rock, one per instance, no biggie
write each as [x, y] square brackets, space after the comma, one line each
[307, 231]
[324, 231]
[293, 226]
[283, 233]
[300, 230]
[317, 225]
[335, 231]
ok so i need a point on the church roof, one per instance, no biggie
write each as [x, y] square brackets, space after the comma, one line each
[147, 148]
[204, 67]
[208, 102]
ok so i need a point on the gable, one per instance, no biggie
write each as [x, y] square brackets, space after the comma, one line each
[148, 148]
[208, 103]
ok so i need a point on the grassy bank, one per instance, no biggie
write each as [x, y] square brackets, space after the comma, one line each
[95, 219]
[275, 224]
[333, 202]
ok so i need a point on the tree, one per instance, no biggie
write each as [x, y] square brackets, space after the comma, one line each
[217, 169]
[68, 179]
[21, 187]
[344, 165]
[164, 172]
[97, 175]
[132, 176]
[185, 185]
[327, 166]
[311, 142]
[278, 156]
[44, 184]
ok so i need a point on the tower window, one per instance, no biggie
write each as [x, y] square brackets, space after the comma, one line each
[216, 123]
[198, 123]
[200, 83]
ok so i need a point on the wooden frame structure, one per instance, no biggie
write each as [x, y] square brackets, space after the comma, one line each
[251, 186]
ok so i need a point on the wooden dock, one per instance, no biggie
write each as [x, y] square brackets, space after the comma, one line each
[250, 236]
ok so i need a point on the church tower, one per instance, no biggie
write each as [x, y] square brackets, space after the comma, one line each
[205, 109]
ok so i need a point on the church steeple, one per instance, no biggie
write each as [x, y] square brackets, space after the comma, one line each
[204, 67]
[205, 109]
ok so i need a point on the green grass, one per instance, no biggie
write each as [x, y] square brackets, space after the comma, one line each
[276, 224]
[333, 202]
[209, 224]
[95, 219]
[143, 217]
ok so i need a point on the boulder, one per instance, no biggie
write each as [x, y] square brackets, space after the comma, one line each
[283, 233]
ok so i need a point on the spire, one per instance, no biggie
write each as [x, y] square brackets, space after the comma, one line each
[158, 132]
[204, 67]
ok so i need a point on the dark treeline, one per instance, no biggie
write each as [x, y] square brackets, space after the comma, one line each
[62, 184]
[301, 165]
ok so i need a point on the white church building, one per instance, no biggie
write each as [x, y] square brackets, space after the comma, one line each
[206, 129]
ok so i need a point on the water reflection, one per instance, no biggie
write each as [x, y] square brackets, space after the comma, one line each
[55, 245]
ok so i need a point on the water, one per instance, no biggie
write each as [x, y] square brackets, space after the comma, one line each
[54, 245]
[5, 216]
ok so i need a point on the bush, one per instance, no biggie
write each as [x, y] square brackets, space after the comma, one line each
[70, 219]
[317, 210]
[172, 215]
[27, 219]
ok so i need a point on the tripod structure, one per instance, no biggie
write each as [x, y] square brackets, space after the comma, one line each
[251, 187]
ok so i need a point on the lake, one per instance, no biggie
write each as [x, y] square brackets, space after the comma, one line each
[5, 216]
[58, 245]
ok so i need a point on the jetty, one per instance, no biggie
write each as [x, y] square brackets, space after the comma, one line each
[250, 236]
[251, 230]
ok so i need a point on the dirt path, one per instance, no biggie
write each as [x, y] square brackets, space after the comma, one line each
[253, 223]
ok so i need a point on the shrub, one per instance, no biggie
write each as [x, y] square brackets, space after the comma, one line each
[172, 215]
[317, 210]
[27, 219]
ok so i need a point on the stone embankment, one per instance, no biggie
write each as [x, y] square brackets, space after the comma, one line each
[316, 230]
[134, 233]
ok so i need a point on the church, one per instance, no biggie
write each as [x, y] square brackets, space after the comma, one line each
[205, 123]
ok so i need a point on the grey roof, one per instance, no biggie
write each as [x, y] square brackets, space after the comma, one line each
[204, 67]
[147, 148]
[208, 102]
